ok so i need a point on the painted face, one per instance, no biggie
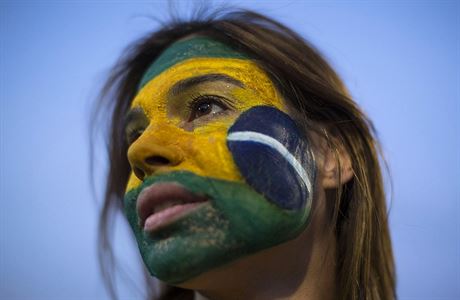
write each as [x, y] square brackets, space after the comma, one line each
[220, 170]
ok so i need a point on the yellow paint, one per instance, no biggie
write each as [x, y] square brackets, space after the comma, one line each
[202, 149]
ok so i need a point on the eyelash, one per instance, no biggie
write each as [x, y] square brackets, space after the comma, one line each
[135, 127]
[133, 134]
[199, 99]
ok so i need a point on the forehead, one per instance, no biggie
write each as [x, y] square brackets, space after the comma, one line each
[198, 57]
[190, 48]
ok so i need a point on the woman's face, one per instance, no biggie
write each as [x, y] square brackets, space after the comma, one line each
[220, 171]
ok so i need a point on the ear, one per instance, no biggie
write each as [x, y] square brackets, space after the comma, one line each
[334, 166]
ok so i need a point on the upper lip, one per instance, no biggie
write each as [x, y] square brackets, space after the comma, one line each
[162, 195]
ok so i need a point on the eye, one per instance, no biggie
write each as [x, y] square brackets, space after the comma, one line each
[136, 123]
[132, 134]
[206, 105]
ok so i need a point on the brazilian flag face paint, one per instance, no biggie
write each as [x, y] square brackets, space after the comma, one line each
[239, 176]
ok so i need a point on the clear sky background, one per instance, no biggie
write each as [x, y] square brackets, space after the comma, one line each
[400, 59]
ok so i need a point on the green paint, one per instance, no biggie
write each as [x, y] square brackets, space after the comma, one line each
[235, 223]
[185, 49]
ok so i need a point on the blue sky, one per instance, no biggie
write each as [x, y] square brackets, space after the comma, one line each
[400, 60]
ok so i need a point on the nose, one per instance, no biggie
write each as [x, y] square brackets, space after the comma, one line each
[148, 154]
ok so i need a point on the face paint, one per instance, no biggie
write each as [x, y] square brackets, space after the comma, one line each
[273, 156]
[183, 50]
[248, 160]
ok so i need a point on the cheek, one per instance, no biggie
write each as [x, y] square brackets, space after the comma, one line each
[209, 157]
[133, 182]
[273, 157]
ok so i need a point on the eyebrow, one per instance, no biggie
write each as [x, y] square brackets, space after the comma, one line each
[185, 84]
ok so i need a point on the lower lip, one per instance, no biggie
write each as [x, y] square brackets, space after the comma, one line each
[169, 215]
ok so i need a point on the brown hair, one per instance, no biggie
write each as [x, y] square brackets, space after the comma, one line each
[365, 267]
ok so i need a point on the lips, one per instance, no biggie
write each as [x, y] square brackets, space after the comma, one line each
[164, 203]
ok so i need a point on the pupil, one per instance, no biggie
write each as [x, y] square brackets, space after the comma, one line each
[204, 108]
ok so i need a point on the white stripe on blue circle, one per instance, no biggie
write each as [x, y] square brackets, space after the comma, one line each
[252, 136]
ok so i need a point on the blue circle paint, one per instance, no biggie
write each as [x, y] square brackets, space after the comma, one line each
[273, 156]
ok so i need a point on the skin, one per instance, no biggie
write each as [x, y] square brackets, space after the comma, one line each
[282, 257]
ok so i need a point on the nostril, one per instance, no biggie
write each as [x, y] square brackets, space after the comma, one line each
[139, 173]
[157, 160]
